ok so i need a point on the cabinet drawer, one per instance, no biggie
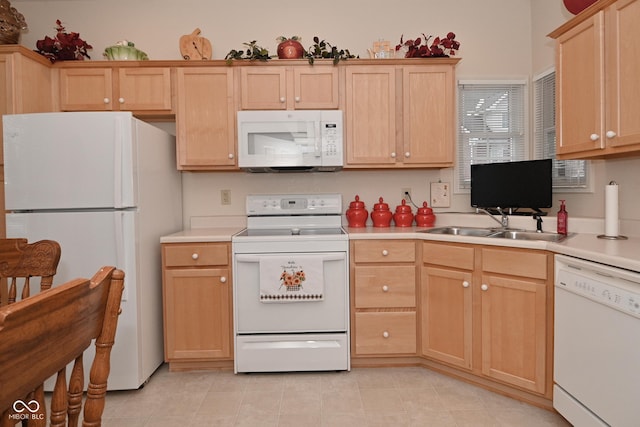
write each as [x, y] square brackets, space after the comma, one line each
[385, 286]
[178, 255]
[385, 333]
[448, 255]
[384, 251]
[515, 263]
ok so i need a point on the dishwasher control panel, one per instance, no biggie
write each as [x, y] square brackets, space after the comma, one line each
[617, 288]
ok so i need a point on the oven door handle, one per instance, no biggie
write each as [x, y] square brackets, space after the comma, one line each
[325, 257]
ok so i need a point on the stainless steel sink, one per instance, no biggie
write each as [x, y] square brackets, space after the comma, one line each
[497, 233]
[463, 231]
[530, 235]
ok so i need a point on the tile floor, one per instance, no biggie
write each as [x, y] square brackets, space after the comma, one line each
[363, 397]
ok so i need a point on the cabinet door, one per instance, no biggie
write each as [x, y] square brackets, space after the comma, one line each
[428, 115]
[580, 87]
[514, 331]
[315, 87]
[205, 118]
[144, 89]
[197, 313]
[370, 115]
[86, 89]
[623, 85]
[446, 315]
[263, 88]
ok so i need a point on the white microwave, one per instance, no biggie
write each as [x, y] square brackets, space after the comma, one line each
[280, 141]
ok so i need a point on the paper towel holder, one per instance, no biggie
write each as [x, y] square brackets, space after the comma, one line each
[617, 237]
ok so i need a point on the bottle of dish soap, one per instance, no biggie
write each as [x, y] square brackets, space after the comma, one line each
[563, 218]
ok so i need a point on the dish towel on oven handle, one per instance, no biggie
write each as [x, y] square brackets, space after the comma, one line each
[291, 278]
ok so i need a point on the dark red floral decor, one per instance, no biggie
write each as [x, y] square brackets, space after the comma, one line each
[64, 47]
[439, 47]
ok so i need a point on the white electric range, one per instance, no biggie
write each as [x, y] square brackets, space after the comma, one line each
[291, 285]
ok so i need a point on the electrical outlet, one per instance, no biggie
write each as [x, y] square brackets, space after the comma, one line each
[225, 197]
[404, 193]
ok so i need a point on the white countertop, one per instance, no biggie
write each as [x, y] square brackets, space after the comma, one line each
[583, 243]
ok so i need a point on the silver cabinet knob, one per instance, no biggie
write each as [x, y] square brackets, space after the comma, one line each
[385, 288]
[283, 99]
[231, 156]
[121, 100]
[385, 252]
[465, 284]
[385, 334]
[223, 279]
[611, 134]
[594, 137]
[195, 256]
[106, 100]
[393, 155]
[484, 287]
[407, 154]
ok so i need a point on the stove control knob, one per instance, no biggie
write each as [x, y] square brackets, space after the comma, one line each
[385, 252]
[195, 256]
[385, 334]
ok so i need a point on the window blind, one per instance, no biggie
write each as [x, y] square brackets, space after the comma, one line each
[491, 119]
[566, 173]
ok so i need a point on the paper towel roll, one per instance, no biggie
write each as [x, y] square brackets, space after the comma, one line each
[611, 210]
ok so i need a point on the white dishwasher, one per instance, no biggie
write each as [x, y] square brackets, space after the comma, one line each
[596, 344]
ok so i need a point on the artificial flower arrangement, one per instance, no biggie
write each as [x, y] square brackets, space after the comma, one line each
[64, 46]
[439, 47]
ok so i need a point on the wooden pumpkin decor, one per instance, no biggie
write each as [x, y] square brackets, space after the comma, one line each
[192, 46]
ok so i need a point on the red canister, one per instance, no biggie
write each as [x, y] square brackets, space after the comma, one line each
[425, 216]
[381, 215]
[356, 214]
[403, 217]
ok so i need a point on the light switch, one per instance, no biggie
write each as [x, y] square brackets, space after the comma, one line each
[440, 195]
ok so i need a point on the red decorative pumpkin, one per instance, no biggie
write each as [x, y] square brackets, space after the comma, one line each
[577, 6]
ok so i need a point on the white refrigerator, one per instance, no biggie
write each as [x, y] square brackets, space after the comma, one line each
[105, 186]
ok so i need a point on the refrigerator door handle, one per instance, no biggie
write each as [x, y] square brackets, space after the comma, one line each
[120, 244]
[117, 164]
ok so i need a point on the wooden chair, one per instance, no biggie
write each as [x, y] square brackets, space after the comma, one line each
[21, 261]
[42, 334]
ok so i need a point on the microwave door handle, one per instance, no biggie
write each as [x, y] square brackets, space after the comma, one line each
[318, 139]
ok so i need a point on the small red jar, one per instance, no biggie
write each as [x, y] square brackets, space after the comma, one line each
[381, 215]
[425, 216]
[356, 214]
[403, 217]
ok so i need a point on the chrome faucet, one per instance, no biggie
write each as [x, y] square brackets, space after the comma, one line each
[503, 221]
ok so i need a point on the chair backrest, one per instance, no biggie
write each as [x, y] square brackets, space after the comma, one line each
[42, 334]
[21, 261]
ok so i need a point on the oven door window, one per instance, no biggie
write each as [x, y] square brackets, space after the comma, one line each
[317, 300]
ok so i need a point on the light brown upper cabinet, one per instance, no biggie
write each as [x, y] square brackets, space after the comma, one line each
[144, 90]
[299, 87]
[597, 85]
[400, 116]
[205, 118]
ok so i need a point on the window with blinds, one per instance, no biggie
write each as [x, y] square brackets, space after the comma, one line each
[492, 126]
[567, 174]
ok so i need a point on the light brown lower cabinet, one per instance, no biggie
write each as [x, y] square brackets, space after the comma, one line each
[383, 293]
[197, 305]
[488, 311]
